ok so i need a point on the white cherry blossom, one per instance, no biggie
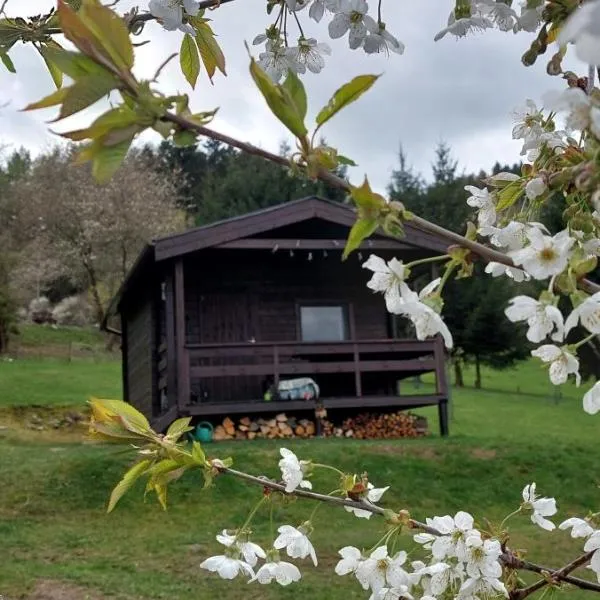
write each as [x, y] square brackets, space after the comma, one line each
[593, 544]
[497, 269]
[484, 201]
[544, 256]
[351, 559]
[455, 531]
[282, 572]
[318, 8]
[227, 567]
[540, 507]
[591, 399]
[583, 29]
[399, 593]
[297, 5]
[386, 278]
[583, 113]
[170, 13]
[296, 543]
[292, 471]
[352, 16]
[250, 551]
[276, 61]
[501, 14]
[381, 40]
[530, 18]
[543, 318]
[380, 570]
[427, 321]
[308, 54]
[562, 363]
[461, 27]
[481, 587]
[482, 557]
[587, 313]
[373, 496]
[527, 121]
[579, 527]
[535, 187]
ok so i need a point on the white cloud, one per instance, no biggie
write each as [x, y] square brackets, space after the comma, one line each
[458, 91]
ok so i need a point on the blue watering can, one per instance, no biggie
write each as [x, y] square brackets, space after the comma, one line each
[204, 432]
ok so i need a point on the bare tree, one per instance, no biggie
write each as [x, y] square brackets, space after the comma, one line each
[90, 232]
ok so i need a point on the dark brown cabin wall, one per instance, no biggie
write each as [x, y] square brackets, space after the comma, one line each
[139, 375]
[234, 296]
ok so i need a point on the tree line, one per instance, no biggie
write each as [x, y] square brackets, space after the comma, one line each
[63, 235]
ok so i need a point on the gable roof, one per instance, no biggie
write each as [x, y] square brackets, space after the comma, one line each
[278, 216]
[255, 223]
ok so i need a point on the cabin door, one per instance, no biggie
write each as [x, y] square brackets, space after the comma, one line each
[229, 318]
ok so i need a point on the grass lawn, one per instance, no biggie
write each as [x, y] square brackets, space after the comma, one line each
[53, 524]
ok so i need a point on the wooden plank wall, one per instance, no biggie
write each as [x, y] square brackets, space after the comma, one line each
[234, 296]
[139, 352]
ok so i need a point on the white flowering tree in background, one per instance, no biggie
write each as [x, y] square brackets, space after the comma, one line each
[452, 556]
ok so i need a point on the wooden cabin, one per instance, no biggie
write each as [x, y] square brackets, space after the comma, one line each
[212, 316]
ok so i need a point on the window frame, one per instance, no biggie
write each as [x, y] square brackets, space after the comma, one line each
[348, 315]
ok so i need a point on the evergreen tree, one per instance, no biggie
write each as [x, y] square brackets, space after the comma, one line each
[474, 307]
[218, 182]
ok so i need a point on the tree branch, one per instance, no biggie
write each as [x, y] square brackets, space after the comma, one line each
[555, 575]
[484, 252]
[508, 559]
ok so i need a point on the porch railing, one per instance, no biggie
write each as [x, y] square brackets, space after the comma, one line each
[279, 359]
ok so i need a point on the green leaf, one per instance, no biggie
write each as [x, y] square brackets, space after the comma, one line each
[279, 101]
[53, 69]
[361, 230]
[189, 59]
[111, 31]
[184, 138]
[344, 160]
[210, 51]
[198, 454]
[126, 482]
[53, 99]
[295, 89]
[108, 159]
[85, 92]
[116, 118]
[102, 409]
[369, 203]
[347, 94]
[73, 64]
[7, 62]
[179, 427]
[509, 195]
[10, 32]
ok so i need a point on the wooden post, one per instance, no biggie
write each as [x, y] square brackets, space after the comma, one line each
[171, 342]
[441, 384]
[276, 367]
[357, 378]
[443, 416]
[183, 362]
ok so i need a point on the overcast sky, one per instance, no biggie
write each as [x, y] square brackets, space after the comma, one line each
[461, 91]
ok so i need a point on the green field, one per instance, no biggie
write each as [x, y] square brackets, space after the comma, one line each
[53, 526]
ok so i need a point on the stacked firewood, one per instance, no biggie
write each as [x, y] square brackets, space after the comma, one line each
[378, 426]
[281, 426]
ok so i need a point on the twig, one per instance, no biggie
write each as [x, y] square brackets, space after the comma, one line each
[557, 575]
[508, 559]
[484, 252]
[300, 493]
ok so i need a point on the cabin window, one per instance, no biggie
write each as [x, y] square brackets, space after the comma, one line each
[323, 323]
